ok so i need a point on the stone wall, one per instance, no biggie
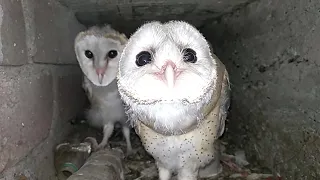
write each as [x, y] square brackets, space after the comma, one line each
[127, 15]
[40, 85]
[271, 49]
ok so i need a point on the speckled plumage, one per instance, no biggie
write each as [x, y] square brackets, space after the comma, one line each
[181, 132]
[197, 147]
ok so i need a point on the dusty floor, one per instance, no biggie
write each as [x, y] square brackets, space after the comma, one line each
[141, 166]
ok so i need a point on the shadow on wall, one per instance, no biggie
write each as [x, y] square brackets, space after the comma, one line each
[40, 85]
[271, 52]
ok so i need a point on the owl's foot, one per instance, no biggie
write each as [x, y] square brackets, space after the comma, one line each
[107, 131]
[94, 144]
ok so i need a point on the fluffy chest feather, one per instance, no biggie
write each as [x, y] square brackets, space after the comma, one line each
[105, 100]
[174, 118]
[195, 148]
[102, 95]
[106, 97]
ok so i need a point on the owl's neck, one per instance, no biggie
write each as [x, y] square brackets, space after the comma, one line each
[171, 118]
[177, 118]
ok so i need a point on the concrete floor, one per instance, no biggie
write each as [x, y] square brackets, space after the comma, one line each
[141, 166]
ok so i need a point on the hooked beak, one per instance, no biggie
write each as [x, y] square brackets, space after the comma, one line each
[169, 73]
[100, 72]
[100, 78]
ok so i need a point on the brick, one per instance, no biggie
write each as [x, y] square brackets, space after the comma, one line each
[55, 30]
[12, 34]
[26, 111]
[69, 98]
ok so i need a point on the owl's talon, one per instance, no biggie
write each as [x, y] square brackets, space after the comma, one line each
[94, 144]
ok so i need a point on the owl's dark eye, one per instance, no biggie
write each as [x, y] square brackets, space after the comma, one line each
[88, 54]
[189, 55]
[143, 58]
[112, 54]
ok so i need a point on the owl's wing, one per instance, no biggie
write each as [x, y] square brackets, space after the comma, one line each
[225, 104]
[87, 88]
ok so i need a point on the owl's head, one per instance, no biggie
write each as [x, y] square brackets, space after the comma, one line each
[166, 62]
[98, 52]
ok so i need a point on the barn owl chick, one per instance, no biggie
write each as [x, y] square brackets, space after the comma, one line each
[98, 52]
[177, 96]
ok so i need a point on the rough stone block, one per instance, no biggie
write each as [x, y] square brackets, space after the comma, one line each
[69, 98]
[12, 34]
[26, 111]
[55, 28]
[139, 11]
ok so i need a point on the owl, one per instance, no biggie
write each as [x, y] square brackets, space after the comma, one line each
[176, 93]
[98, 52]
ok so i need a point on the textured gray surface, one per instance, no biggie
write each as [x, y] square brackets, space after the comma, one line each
[26, 102]
[37, 100]
[271, 49]
[127, 15]
[12, 32]
[52, 32]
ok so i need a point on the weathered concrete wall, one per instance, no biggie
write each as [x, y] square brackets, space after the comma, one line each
[271, 49]
[40, 85]
[126, 15]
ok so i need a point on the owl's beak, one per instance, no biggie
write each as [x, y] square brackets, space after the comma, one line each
[100, 72]
[170, 73]
[100, 78]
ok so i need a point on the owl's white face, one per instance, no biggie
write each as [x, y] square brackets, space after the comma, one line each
[98, 57]
[166, 76]
[168, 62]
